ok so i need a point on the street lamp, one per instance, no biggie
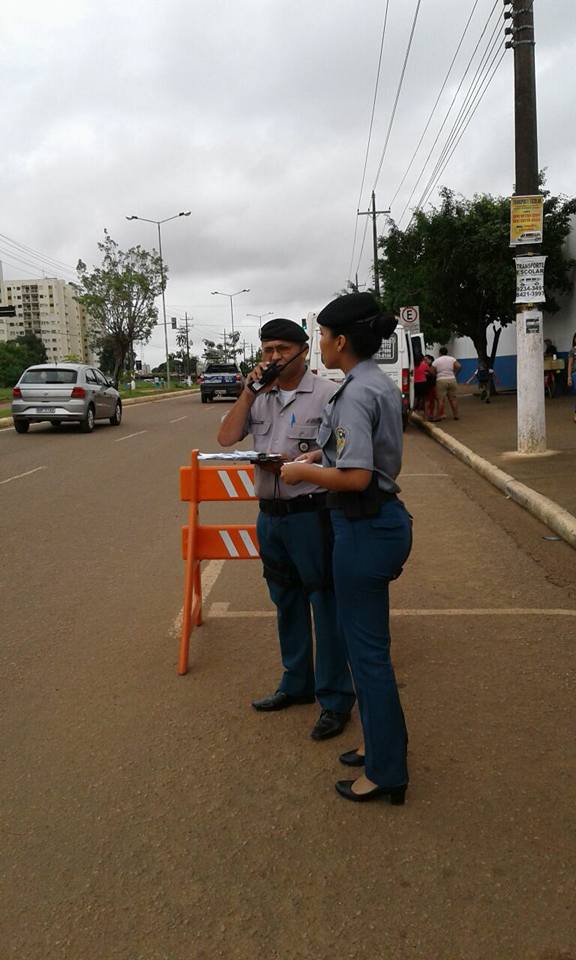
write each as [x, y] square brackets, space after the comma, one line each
[258, 317]
[158, 223]
[218, 293]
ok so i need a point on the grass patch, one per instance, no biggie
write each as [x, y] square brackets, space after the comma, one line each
[149, 390]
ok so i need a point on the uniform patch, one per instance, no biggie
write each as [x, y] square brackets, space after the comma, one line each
[340, 439]
[304, 446]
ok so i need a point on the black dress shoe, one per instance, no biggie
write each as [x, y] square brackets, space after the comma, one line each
[279, 701]
[396, 795]
[329, 724]
[352, 759]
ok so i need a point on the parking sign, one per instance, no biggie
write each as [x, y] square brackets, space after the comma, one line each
[410, 317]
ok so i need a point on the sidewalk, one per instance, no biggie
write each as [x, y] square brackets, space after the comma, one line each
[490, 431]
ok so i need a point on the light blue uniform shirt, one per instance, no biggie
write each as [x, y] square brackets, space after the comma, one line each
[362, 425]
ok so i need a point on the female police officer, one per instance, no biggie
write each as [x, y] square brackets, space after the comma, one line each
[361, 441]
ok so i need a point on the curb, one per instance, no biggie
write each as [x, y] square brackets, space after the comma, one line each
[6, 422]
[547, 511]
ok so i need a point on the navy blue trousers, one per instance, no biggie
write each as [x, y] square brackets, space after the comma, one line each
[294, 550]
[368, 553]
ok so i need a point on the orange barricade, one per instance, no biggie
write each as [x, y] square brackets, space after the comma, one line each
[231, 541]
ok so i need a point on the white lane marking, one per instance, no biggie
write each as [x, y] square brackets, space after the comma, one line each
[247, 541]
[215, 613]
[209, 577]
[229, 486]
[219, 607]
[221, 612]
[20, 475]
[488, 612]
[229, 543]
[130, 435]
[247, 483]
[178, 419]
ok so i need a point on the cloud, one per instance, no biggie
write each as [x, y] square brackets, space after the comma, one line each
[254, 116]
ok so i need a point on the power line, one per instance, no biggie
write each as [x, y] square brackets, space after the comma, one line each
[393, 114]
[475, 107]
[481, 72]
[464, 114]
[368, 143]
[29, 251]
[432, 112]
[398, 92]
[449, 110]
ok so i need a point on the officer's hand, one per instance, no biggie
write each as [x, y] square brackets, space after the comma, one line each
[313, 456]
[256, 374]
[291, 473]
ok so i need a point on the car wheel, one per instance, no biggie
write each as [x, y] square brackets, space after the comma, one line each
[87, 425]
[21, 426]
[116, 420]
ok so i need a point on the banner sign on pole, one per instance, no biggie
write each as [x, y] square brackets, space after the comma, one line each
[530, 279]
[526, 220]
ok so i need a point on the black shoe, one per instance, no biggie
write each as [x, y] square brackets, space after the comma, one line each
[279, 701]
[329, 724]
[396, 795]
[352, 759]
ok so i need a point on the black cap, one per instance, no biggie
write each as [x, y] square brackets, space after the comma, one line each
[281, 329]
[350, 309]
[356, 309]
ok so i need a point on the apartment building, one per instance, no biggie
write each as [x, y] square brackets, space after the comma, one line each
[47, 308]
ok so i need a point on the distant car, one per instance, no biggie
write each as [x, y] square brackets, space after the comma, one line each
[220, 380]
[63, 393]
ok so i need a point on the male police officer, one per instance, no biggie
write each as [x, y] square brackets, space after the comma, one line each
[293, 529]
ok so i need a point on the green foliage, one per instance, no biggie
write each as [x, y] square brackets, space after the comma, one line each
[120, 297]
[15, 355]
[455, 262]
[220, 352]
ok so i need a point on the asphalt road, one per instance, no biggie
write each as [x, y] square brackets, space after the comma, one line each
[151, 817]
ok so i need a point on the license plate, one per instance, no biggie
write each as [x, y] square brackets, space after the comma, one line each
[46, 410]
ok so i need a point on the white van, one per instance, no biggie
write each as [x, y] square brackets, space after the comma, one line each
[397, 357]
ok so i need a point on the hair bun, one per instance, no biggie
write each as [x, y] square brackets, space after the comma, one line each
[385, 324]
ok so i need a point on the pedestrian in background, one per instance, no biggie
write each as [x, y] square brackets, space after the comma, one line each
[294, 529]
[420, 384]
[361, 441]
[572, 370]
[446, 368]
[431, 403]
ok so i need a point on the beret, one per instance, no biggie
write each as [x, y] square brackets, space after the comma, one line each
[357, 309]
[281, 329]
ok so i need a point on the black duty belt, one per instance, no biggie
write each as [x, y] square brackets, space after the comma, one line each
[305, 504]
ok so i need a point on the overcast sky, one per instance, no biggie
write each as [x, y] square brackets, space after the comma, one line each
[254, 115]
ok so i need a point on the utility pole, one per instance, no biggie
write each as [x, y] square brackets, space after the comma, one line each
[529, 334]
[373, 213]
[225, 349]
[188, 371]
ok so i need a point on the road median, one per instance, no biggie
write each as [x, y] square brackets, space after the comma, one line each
[561, 521]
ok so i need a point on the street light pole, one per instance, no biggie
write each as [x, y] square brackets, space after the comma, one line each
[258, 317]
[158, 224]
[230, 296]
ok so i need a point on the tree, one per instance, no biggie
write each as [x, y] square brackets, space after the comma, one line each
[120, 297]
[33, 347]
[455, 262]
[15, 355]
